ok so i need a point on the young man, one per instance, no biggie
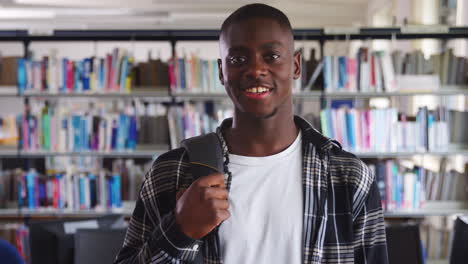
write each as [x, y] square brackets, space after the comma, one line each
[289, 195]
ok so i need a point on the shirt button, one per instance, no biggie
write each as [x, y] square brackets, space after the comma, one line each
[195, 247]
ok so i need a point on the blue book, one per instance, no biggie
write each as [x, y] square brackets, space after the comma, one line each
[110, 196]
[342, 77]
[123, 73]
[30, 183]
[82, 192]
[350, 127]
[42, 194]
[132, 133]
[101, 73]
[84, 135]
[86, 73]
[22, 76]
[116, 187]
[63, 85]
[182, 73]
[122, 132]
[114, 133]
[76, 125]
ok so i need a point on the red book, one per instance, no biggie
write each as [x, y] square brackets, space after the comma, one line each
[171, 69]
[55, 190]
[70, 76]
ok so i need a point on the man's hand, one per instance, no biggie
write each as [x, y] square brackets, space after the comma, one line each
[202, 206]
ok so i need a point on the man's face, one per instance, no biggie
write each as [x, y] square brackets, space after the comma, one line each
[257, 66]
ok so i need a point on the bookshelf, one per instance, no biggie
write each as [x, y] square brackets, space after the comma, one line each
[164, 95]
[161, 150]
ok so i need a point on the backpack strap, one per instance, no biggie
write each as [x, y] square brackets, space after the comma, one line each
[206, 156]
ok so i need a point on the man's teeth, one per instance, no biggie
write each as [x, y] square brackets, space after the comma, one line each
[257, 90]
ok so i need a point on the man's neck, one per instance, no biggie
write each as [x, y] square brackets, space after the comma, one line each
[258, 137]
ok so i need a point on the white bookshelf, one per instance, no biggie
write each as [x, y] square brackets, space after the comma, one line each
[431, 208]
[437, 261]
[159, 151]
[126, 210]
[163, 93]
[107, 154]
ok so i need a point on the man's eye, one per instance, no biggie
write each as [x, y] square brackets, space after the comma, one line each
[272, 56]
[237, 60]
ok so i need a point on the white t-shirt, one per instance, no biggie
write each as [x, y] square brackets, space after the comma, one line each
[265, 203]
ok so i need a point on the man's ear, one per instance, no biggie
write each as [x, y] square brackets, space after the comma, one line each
[297, 64]
[220, 71]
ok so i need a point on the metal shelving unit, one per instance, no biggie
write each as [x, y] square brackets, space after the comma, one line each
[332, 33]
[161, 95]
[159, 151]
[319, 34]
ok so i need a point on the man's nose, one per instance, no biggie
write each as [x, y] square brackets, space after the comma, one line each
[256, 68]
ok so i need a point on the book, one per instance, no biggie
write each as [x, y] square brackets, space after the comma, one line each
[386, 130]
[51, 74]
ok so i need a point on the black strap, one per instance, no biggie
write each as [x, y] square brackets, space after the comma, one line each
[205, 151]
[206, 156]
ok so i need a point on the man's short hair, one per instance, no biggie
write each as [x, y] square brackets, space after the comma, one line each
[256, 11]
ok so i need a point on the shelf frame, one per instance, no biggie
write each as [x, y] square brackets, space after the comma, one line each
[210, 34]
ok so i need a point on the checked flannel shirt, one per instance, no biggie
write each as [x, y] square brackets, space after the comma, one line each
[342, 220]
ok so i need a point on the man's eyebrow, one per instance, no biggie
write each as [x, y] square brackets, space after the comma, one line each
[237, 49]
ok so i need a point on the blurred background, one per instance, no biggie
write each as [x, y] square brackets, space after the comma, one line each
[91, 92]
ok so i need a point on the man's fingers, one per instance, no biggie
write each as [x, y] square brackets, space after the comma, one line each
[217, 204]
[214, 192]
[214, 179]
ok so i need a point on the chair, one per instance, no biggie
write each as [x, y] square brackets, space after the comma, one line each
[459, 254]
[52, 242]
[404, 244]
[9, 254]
[98, 246]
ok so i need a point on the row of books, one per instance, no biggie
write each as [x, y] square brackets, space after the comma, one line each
[449, 68]
[381, 71]
[55, 128]
[195, 119]
[51, 74]
[405, 188]
[437, 236]
[77, 191]
[73, 183]
[386, 130]
[369, 71]
[194, 74]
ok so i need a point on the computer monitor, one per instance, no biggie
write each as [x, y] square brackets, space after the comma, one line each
[404, 244]
[98, 246]
[52, 242]
[459, 254]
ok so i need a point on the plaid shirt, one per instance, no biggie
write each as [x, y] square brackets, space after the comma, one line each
[342, 220]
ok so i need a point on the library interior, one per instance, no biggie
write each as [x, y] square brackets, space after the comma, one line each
[93, 94]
